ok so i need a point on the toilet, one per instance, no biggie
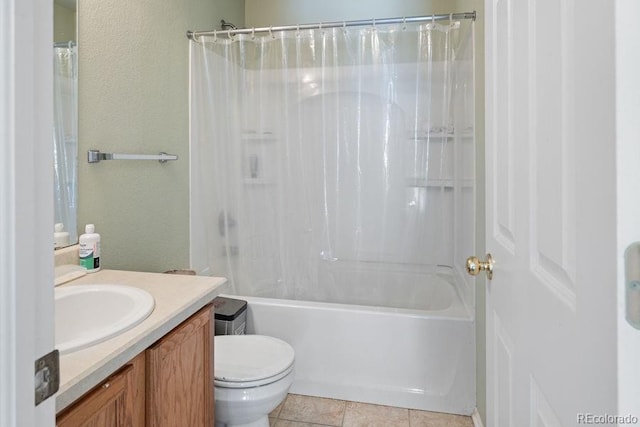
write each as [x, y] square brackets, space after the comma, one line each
[253, 374]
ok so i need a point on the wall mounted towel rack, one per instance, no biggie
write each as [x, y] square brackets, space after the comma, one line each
[94, 156]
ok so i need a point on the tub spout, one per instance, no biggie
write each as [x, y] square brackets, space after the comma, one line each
[225, 222]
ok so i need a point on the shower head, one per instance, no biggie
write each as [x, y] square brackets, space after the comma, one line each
[227, 25]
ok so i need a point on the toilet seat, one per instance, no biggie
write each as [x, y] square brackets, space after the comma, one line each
[243, 361]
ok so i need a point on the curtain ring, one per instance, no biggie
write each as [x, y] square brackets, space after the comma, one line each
[298, 30]
[404, 23]
[253, 33]
[215, 35]
[271, 32]
[373, 23]
[450, 18]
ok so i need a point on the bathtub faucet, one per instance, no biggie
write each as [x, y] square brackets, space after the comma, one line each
[224, 222]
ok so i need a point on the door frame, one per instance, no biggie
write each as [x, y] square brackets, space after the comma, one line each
[627, 45]
[26, 207]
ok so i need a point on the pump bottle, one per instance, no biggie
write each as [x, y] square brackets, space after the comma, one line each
[90, 249]
[60, 237]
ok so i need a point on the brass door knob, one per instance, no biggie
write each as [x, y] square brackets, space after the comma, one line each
[475, 266]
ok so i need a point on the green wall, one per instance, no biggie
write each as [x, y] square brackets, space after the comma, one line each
[64, 24]
[133, 98]
[481, 357]
[263, 13]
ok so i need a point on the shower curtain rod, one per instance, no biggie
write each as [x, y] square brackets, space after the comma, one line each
[64, 44]
[193, 35]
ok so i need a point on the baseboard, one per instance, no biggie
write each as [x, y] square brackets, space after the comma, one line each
[475, 417]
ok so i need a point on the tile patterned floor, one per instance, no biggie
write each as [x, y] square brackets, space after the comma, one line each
[306, 411]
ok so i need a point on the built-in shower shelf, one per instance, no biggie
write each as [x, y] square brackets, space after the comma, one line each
[439, 183]
[438, 136]
[430, 137]
[258, 136]
[258, 181]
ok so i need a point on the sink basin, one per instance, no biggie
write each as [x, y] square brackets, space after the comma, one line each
[89, 314]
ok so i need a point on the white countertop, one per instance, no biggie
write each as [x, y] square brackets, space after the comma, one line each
[177, 297]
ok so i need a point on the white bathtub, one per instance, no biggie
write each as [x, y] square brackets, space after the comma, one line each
[405, 357]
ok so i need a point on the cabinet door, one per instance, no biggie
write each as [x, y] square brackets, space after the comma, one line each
[179, 375]
[117, 402]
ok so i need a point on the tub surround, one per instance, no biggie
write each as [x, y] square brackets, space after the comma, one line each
[177, 297]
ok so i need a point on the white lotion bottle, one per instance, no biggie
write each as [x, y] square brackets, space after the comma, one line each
[90, 249]
[60, 237]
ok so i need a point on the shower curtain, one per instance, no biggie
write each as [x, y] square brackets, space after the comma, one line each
[319, 156]
[65, 136]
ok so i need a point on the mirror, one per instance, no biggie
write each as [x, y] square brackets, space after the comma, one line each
[65, 126]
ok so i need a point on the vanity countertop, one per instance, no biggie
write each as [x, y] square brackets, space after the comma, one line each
[177, 297]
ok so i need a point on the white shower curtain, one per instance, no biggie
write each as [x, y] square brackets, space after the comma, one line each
[65, 136]
[318, 155]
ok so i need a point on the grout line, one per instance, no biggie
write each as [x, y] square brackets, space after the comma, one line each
[475, 417]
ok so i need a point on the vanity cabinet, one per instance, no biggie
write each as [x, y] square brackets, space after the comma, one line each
[117, 401]
[170, 384]
[180, 375]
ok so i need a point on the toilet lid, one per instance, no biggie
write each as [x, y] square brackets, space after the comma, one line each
[245, 358]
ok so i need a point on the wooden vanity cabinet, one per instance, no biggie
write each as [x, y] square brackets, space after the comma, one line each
[180, 375]
[117, 401]
[170, 384]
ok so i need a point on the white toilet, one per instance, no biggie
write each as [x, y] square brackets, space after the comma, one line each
[253, 374]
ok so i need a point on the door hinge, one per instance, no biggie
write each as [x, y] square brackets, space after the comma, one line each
[632, 280]
[47, 376]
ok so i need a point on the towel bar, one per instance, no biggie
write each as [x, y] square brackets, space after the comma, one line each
[94, 156]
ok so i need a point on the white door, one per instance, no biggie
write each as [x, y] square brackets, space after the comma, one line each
[551, 212]
[628, 190]
[26, 207]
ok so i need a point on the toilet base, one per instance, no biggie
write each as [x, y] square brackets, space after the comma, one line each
[262, 422]
[250, 407]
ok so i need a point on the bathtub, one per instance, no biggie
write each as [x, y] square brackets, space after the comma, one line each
[419, 357]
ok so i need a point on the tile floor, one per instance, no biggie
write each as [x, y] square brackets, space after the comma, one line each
[306, 411]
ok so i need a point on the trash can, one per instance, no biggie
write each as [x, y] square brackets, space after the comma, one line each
[230, 316]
